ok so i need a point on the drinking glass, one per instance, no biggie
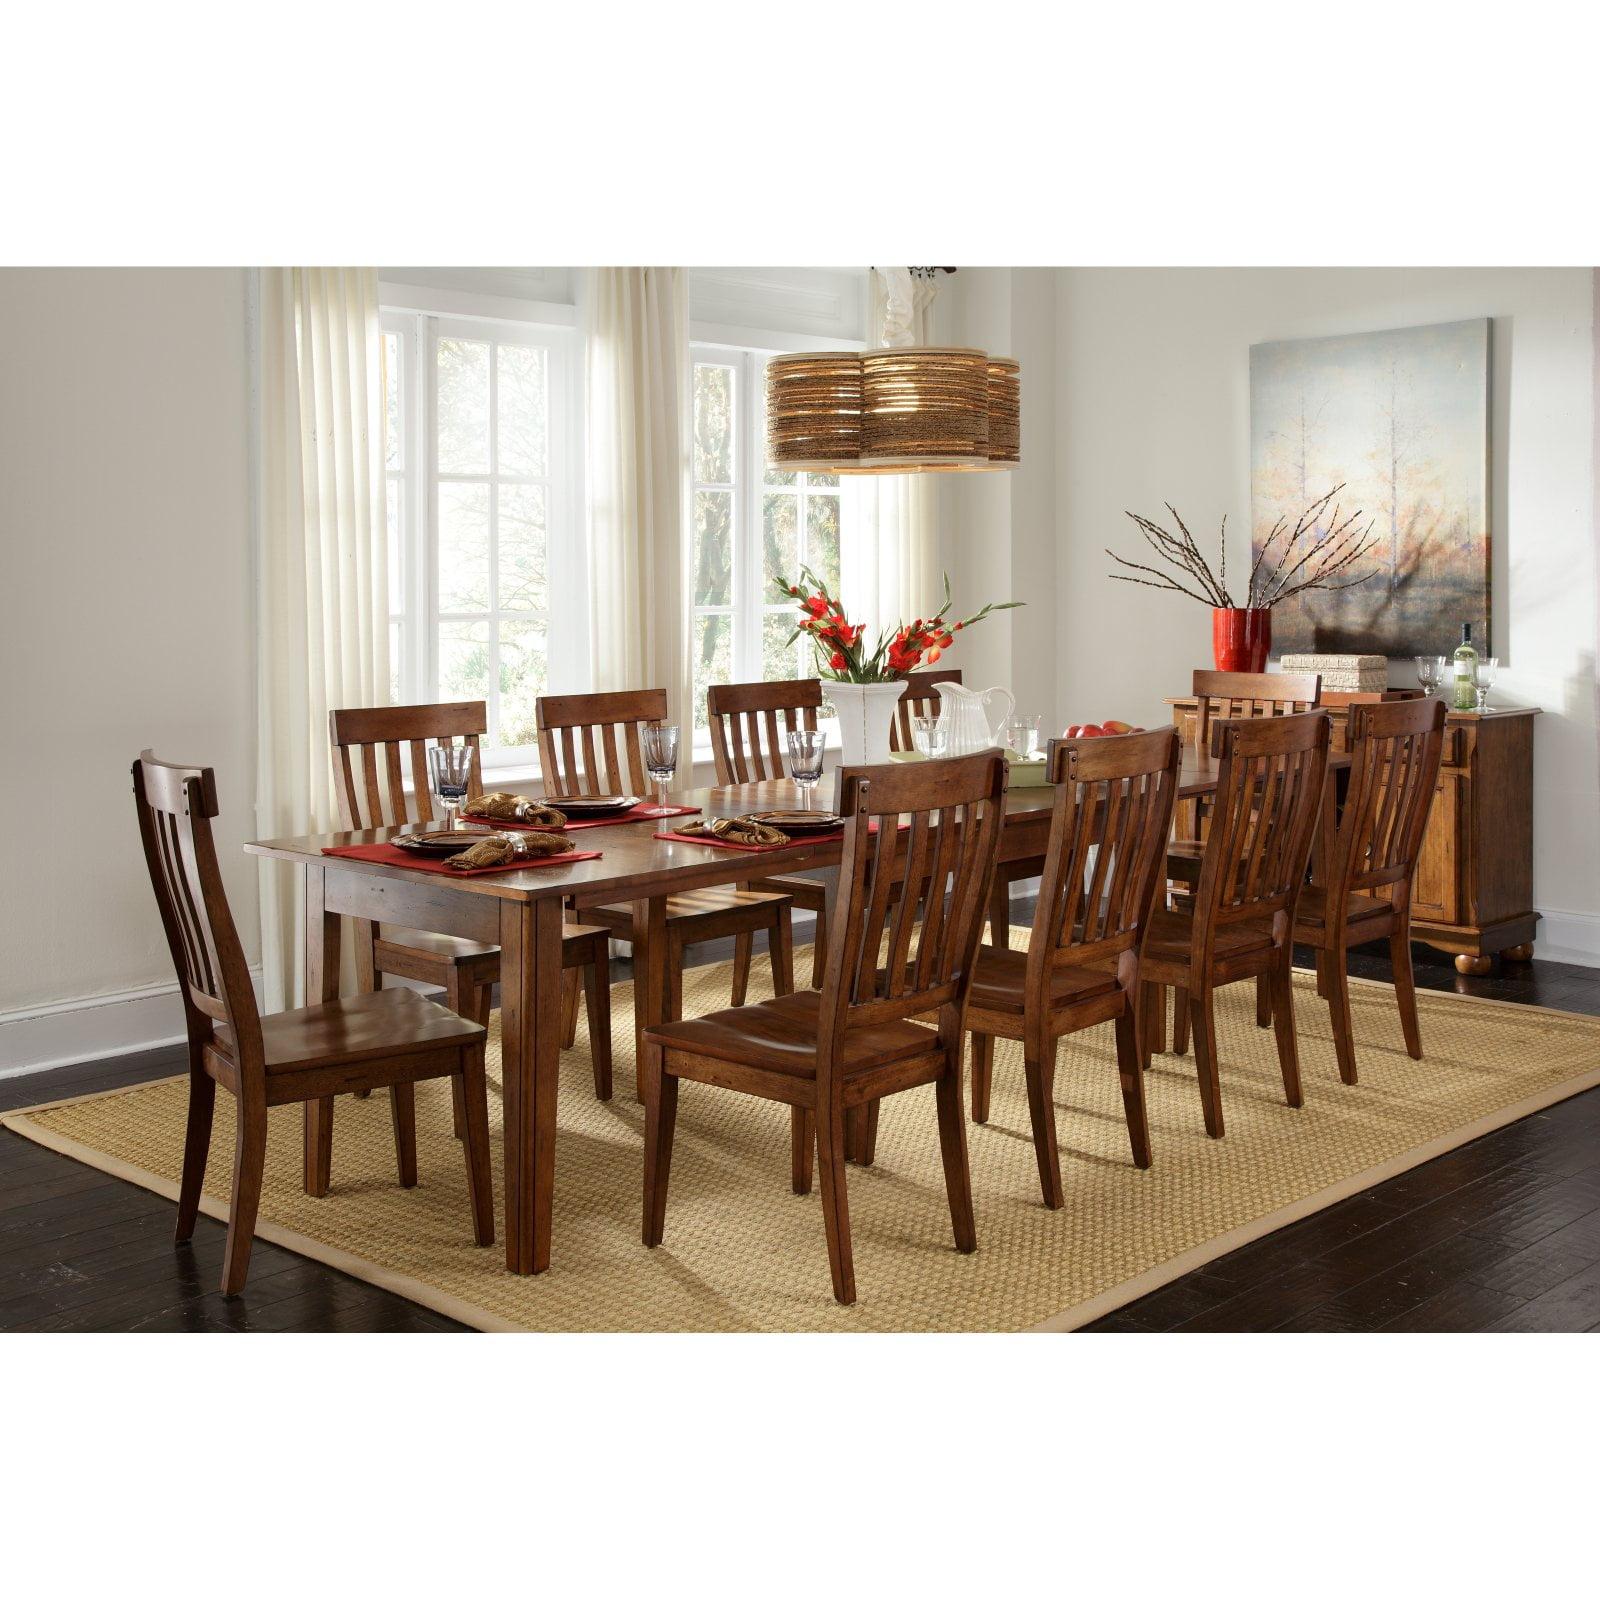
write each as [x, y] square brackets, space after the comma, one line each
[660, 741]
[927, 736]
[450, 767]
[1444, 669]
[1427, 666]
[805, 762]
[1022, 736]
[1488, 669]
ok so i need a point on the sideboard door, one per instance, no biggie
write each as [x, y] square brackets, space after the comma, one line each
[1436, 889]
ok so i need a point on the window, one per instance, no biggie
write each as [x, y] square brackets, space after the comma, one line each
[750, 524]
[486, 564]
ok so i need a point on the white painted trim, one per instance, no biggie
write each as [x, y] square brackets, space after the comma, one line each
[745, 338]
[427, 300]
[1568, 936]
[64, 1032]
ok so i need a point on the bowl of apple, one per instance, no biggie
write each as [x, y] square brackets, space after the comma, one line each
[1099, 730]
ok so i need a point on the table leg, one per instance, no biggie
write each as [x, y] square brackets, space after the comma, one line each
[652, 992]
[322, 985]
[530, 1054]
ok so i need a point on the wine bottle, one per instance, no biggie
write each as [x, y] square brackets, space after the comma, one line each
[1466, 671]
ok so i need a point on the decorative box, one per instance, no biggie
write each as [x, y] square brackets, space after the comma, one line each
[1343, 674]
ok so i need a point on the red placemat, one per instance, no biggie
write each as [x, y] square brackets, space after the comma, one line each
[643, 812]
[392, 856]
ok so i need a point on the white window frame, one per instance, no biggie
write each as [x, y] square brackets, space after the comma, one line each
[419, 327]
[751, 599]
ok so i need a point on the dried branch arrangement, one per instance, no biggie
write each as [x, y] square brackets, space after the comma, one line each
[1289, 561]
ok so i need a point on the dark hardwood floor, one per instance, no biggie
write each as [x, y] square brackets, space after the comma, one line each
[1503, 1233]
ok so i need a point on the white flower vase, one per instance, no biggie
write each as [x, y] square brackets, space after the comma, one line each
[866, 712]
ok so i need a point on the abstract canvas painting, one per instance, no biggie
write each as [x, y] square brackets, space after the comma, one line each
[1401, 419]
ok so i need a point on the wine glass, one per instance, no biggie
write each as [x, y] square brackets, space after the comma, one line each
[450, 766]
[1487, 670]
[1427, 670]
[660, 741]
[805, 761]
[1022, 736]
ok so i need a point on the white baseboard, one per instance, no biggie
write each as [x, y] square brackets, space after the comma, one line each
[68, 1031]
[1568, 936]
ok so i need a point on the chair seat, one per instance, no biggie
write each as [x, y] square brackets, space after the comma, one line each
[702, 905]
[781, 1036]
[998, 981]
[810, 894]
[362, 1027]
[1312, 910]
[1184, 857]
[1171, 933]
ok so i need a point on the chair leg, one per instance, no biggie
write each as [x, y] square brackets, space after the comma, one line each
[836, 1206]
[480, 1180]
[867, 1134]
[1322, 974]
[1283, 1022]
[403, 1114]
[569, 1009]
[780, 948]
[743, 944]
[1130, 1069]
[1263, 1001]
[1180, 1022]
[465, 1001]
[802, 1147]
[196, 1147]
[458, 1109]
[953, 1149]
[249, 1162]
[1041, 1075]
[1000, 913]
[1405, 990]
[819, 949]
[660, 1118]
[1344, 1044]
[1156, 1042]
[982, 1075]
[1205, 1055]
[318, 1146]
[597, 1002]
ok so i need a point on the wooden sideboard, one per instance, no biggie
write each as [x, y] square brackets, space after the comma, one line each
[1473, 892]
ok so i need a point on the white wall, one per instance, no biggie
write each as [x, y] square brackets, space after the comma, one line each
[1152, 404]
[125, 620]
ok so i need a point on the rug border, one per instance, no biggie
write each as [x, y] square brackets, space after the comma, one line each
[1065, 1321]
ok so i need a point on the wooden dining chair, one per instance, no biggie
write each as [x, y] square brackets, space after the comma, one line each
[855, 1042]
[747, 745]
[920, 699]
[1371, 853]
[1239, 922]
[368, 1041]
[372, 750]
[1109, 822]
[590, 744]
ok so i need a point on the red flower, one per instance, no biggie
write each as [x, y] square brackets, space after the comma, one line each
[836, 661]
[815, 604]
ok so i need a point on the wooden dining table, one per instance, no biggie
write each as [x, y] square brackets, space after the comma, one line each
[522, 912]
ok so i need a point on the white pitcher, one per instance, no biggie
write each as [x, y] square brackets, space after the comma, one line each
[966, 721]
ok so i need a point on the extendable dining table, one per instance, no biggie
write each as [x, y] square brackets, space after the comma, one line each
[522, 911]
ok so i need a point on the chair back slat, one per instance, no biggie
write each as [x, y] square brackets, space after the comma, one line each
[175, 805]
[1234, 695]
[747, 742]
[911, 901]
[589, 743]
[920, 699]
[1110, 819]
[368, 771]
[1269, 791]
[1395, 752]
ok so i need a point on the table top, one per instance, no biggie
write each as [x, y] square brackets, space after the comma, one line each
[634, 863]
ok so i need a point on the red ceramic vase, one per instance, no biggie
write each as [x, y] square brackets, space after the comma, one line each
[1241, 638]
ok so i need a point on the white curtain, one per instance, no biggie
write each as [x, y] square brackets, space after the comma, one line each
[322, 568]
[639, 415]
[891, 560]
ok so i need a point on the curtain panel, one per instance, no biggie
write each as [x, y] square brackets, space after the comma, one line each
[322, 567]
[640, 424]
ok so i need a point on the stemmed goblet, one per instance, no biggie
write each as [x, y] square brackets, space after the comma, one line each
[1427, 666]
[805, 761]
[450, 767]
[1483, 676]
[660, 744]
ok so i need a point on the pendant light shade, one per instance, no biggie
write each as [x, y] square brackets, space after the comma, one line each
[913, 408]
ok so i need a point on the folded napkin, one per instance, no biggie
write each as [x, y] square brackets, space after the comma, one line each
[501, 849]
[734, 831]
[506, 807]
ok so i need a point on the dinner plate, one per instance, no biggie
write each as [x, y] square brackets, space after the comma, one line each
[585, 805]
[797, 821]
[445, 841]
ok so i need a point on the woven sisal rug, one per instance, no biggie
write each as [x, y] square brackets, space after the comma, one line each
[743, 1253]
